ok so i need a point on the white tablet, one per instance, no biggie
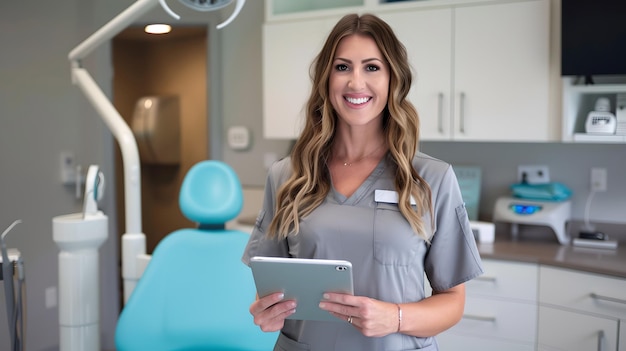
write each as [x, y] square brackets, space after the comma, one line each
[304, 280]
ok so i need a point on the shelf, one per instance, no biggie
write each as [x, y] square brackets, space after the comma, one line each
[597, 138]
[579, 100]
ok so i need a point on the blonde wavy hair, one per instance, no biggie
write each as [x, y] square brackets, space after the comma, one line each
[310, 181]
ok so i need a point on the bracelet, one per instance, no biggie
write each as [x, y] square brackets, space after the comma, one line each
[399, 317]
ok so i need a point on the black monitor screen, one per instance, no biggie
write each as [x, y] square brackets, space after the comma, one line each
[593, 37]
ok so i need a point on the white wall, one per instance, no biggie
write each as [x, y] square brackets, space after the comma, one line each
[43, 115]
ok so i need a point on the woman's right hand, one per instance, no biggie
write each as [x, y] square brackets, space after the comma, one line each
[270, 311]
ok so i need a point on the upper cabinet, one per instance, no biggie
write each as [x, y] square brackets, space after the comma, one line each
[288, 51]
[291, 7]
[481, 69]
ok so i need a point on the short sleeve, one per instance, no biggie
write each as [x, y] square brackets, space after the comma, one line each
[452, 257]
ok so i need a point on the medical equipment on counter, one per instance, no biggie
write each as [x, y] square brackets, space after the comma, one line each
[601, 120]
[78, 236]
[12, 268]
[484, 232]
[553, 214]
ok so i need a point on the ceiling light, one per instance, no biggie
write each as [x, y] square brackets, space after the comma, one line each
[158, 28]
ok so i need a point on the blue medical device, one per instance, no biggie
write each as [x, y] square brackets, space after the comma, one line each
[516, 211]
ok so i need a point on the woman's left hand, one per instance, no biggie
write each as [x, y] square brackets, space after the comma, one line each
[372, 317]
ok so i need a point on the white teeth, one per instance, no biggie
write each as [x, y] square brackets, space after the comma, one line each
[358, 101]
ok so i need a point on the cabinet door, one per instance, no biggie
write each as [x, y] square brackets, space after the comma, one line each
[501, 72]
[288, 51]
[453, 342]
[586, 292]
[427, 36]
[571, 331]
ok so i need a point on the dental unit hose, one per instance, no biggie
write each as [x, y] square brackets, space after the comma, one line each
[13, 294]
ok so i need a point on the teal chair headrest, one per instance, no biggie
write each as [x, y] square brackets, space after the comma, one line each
[211, 194]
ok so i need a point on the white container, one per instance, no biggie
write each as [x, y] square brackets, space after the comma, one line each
[79, 237]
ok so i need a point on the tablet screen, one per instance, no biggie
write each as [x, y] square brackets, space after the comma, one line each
[304, 280]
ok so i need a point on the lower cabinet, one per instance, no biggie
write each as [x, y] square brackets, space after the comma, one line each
[581, 311]
[571, 331]
[518, 306]
[500, 310]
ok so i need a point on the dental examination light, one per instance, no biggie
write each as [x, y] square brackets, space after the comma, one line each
[10, 264]
[207, 5]
[134, 258]
[79, 236]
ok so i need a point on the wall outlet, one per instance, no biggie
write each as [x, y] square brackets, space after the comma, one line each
[533, 174]
[598, 179]
[51, 297]
[68, 168]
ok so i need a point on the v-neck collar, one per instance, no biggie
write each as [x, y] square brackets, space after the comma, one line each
[364, 188]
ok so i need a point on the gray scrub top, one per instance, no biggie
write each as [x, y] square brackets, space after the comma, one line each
[389, 259]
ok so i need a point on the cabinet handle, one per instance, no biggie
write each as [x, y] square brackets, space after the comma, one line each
[607, 298]
[601, 340]
[479, 318]
[440, 112]
[462, 114]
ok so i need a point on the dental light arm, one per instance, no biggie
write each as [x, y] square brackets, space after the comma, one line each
[133, 240]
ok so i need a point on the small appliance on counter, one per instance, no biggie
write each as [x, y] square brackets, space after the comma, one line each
[516, 211]
[601, 120]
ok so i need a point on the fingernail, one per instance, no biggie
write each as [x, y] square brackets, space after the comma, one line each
[326, 296]
[281, 296]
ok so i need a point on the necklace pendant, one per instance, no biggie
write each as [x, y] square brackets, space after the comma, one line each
[347, 164]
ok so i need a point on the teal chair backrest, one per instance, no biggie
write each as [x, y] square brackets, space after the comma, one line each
[195, 292]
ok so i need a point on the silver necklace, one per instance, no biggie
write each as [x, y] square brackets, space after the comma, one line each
[348, 163]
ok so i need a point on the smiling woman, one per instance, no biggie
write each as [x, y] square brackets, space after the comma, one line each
[355, 188]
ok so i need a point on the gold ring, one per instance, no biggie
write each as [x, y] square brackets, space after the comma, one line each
[350, 319]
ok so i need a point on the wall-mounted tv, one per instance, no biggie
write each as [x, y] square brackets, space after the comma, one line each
[593, 38]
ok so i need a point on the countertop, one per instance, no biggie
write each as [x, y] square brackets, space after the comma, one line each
[610, 262]
[600, 261]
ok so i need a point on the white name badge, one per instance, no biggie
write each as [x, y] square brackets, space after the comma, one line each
[389, 196]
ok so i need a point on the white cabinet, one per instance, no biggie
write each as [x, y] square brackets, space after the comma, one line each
[288, 51]
[580, 311]
[427, 36]
[579, 100]
[571, 331]
[482, 72]
[482, 69]
[276, 8]
[500, 310]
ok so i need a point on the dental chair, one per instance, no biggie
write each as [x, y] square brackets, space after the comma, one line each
[195, 292]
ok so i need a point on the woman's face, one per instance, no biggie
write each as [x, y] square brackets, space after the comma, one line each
[359, 81]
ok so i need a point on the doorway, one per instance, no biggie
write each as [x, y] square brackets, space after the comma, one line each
[154, 65]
